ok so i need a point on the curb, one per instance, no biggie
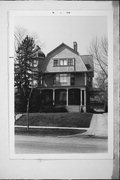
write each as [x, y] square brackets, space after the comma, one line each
[50, 127]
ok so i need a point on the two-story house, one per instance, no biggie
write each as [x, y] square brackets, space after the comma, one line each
[66, 78]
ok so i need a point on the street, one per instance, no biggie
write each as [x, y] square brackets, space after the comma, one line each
[68, 144]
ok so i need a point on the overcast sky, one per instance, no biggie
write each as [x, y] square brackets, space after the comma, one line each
[53, 30]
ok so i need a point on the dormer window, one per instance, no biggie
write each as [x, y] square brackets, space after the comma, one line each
[70, 62]
[63, 62]
[56, 62]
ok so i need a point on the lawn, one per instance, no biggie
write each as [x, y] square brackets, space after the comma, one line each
[47, 132]
[56, 119]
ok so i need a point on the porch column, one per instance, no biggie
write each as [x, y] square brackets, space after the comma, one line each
[53, 96]
[85, 97]
[85, 100]
[66, 97]
[81, 96]
[85, 79]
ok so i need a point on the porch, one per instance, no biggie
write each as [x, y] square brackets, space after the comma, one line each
[73, 99]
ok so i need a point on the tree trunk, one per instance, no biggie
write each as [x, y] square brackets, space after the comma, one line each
[28, 115]
[28, 104]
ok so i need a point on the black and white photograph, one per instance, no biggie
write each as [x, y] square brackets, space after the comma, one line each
[59, 87]
[61, 84]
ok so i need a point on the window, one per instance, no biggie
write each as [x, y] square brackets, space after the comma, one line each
[63, 78]
[57, 78]
[70, 62]
[56, 62]
[35, 63]
[72, 79]
[63, 62]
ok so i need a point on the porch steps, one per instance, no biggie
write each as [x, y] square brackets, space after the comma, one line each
[73, 108]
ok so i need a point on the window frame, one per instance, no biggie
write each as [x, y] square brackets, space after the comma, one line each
[60, 77]
[35, 63]
[56, 64]
[70, 61]
[72, 79]
[63, 62]
[64, 77]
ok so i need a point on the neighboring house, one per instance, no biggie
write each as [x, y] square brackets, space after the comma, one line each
[65, 78]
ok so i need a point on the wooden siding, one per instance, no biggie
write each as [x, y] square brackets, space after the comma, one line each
[49, 80]
[80, 79]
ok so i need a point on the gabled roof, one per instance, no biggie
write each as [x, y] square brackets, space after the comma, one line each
[60, 46]
[88, 61]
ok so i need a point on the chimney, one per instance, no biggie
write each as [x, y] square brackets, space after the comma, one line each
[75, 46]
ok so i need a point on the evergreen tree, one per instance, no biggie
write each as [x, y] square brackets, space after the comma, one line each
[25, 73]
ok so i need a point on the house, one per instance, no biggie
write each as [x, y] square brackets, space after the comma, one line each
[66, 78]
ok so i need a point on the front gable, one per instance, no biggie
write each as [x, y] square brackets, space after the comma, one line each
[64, 52]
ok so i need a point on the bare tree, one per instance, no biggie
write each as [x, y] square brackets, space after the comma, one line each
[99, 50]
[19, 35]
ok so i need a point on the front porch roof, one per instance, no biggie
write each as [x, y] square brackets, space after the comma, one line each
[62, 87]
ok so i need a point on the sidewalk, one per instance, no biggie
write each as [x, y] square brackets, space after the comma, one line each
[98, 126]
[17, 116]
[50, 127]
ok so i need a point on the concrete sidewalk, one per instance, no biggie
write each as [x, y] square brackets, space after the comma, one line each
[50, 127]
[17, 116]
[98, 126]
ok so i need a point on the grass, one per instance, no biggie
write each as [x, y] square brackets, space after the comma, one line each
[47, 132]
[56, 119]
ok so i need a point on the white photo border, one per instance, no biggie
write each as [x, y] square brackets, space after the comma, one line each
[109, 14]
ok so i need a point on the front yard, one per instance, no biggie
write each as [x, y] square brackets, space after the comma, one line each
[56, 119]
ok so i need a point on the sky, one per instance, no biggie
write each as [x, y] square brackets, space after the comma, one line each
[54, 30]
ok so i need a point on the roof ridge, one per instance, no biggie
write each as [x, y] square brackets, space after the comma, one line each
[60, 46]
[86, 55]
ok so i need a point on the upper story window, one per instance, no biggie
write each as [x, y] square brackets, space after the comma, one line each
[35, 63]
[70, 62]
[62, 79]
[56, 62]
[72, 79]
[63, 62]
